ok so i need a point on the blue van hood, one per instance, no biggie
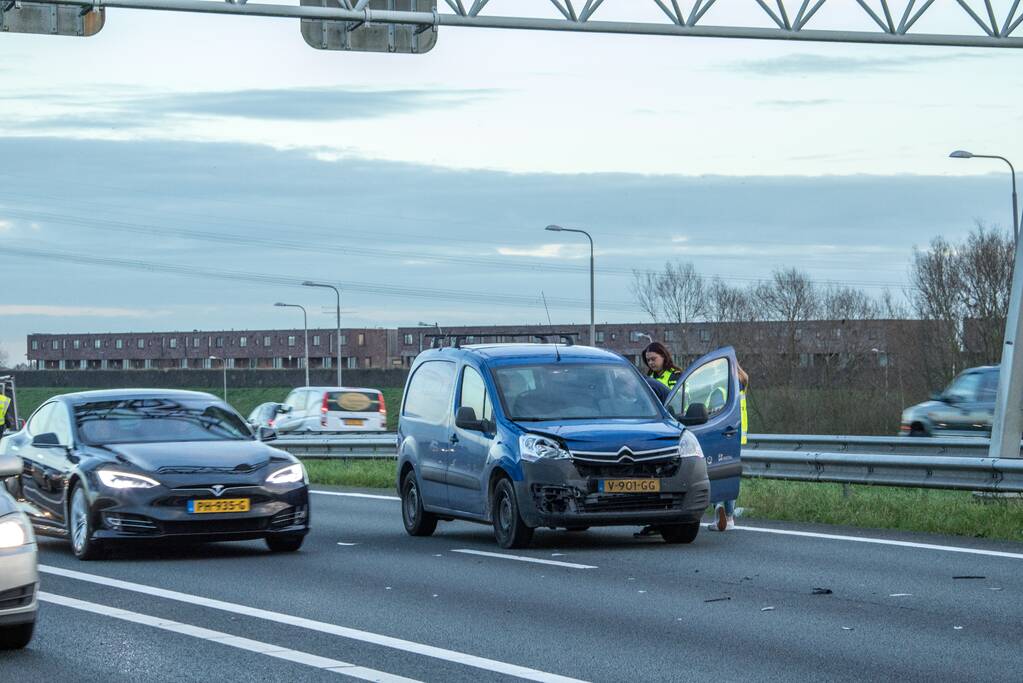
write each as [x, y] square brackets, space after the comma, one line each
[609, 437]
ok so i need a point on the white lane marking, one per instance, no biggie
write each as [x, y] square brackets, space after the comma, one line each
[268, 649]
[809, 534]
[885, 541]
[522, 558]
[354, 495]
[320, 626]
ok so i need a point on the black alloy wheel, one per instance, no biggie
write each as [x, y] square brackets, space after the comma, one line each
[16, 637]
[417, 521]
[80, 529]
[509, 529]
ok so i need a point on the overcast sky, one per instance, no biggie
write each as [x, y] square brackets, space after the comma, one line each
[179, 172]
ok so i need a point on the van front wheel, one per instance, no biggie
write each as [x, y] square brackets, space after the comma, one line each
[418, 522]
[509, 529]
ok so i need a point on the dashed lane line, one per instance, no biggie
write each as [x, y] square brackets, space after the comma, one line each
[268, 649]
[524, 558]
[412, 647]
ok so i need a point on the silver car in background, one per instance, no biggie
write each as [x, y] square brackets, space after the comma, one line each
[19, 574]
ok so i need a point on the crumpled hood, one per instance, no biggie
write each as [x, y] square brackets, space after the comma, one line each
[240, 456]
[643, 438]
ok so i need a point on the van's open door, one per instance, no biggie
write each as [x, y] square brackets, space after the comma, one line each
[713, 381]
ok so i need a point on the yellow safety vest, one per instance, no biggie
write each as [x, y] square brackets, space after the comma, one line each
[5, 403]
[668, 378]
[745, 420]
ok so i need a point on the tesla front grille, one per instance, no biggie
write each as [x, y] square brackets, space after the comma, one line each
[204, 469]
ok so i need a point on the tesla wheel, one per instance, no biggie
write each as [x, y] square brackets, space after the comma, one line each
[16, 637]
[509, 529]
[680, 533]
[284, 544]
[417, 521]
[80, 527]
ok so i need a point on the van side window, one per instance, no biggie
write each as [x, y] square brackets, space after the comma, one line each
[989, 388]
[709, 384]
[429, 393]
[474, 394]
[314, 400]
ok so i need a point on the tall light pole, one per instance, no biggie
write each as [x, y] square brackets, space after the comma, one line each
[305, 324]
[337, 291]
[593, 317]
[422, 324]
[223, 364]
[1016, 225]
[1007, 424]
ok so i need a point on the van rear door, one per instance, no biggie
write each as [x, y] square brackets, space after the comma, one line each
[353, 410]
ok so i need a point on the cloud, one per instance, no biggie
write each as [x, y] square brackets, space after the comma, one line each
[77, 311]
[797, 104]
[545, 251]
[803, 64]
[5, 226]
[280, 104]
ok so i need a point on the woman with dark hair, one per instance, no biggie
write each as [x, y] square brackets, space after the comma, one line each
[660, 365]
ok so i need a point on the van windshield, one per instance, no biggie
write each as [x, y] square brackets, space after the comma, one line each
[575, 391]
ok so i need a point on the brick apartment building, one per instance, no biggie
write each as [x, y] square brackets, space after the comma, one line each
[805, 344]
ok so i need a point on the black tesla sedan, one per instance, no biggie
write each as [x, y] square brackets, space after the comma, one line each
[103, 466]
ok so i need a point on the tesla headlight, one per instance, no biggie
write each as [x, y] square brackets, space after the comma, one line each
[689, 446]
[288, 475]
[13, 532]
[125, 480]
[533, 447]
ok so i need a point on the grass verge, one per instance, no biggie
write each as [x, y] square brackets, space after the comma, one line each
[957, 513]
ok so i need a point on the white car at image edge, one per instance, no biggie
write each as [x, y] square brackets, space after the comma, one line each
[19, 574]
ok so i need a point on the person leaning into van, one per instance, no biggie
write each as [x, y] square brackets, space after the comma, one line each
[660, 365]
[724, 512]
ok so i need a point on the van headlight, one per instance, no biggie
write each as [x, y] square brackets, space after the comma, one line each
[14, 532]
[533, 447]
[288, 475]
[689, 446]
[125, 480]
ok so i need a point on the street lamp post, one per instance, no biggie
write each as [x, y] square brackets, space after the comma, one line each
[223, 364]
[305, 324]
[1007, 423]
[422, 324]
[337, 291]
[558, 228]
[1016, 225]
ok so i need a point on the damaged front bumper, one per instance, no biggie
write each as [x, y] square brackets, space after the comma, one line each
[565, 493]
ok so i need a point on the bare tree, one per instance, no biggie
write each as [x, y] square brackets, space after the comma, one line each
[645, 289]
[3, 357]
[847, 303]
[728, 304]
[677, 294]
[789, 296]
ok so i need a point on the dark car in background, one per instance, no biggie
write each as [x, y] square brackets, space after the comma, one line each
[120, 465]
[965, 408]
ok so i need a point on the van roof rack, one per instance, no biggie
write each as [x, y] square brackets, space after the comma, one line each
[455, 340]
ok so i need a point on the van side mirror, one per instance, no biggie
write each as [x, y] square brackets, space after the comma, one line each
[20, 424]
[47, 440]
[266, 434]
[10, 466]
[696, 415]
[466, 419]
[284, 409]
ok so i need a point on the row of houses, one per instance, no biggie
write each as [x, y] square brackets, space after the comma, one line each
[805, 343]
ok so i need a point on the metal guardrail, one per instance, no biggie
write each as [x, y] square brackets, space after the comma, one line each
[938, 463]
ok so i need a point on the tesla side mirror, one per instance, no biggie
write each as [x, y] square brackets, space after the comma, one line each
[266, 434]
[10, 466]
[466, 419]
[696, 415]
[47, 440]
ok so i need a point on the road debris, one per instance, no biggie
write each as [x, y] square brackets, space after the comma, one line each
[715, 600]
[822, 591]
[766, 609]
[900, 595]
[969, 577]
[847, 628]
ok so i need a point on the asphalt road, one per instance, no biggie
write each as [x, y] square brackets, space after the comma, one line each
[363, 600]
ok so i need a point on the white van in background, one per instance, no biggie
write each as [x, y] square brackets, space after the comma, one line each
[333, 409]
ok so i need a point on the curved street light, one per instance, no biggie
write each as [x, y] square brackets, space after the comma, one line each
[305, 324]
[558, 228]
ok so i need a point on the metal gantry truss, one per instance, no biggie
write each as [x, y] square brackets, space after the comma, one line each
[892, 21]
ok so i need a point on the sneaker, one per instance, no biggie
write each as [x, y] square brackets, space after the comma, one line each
[730, 524]
[721, 519]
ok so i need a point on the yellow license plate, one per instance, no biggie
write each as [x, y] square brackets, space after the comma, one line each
[200, 507]
[630, 486]
[354, 423]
